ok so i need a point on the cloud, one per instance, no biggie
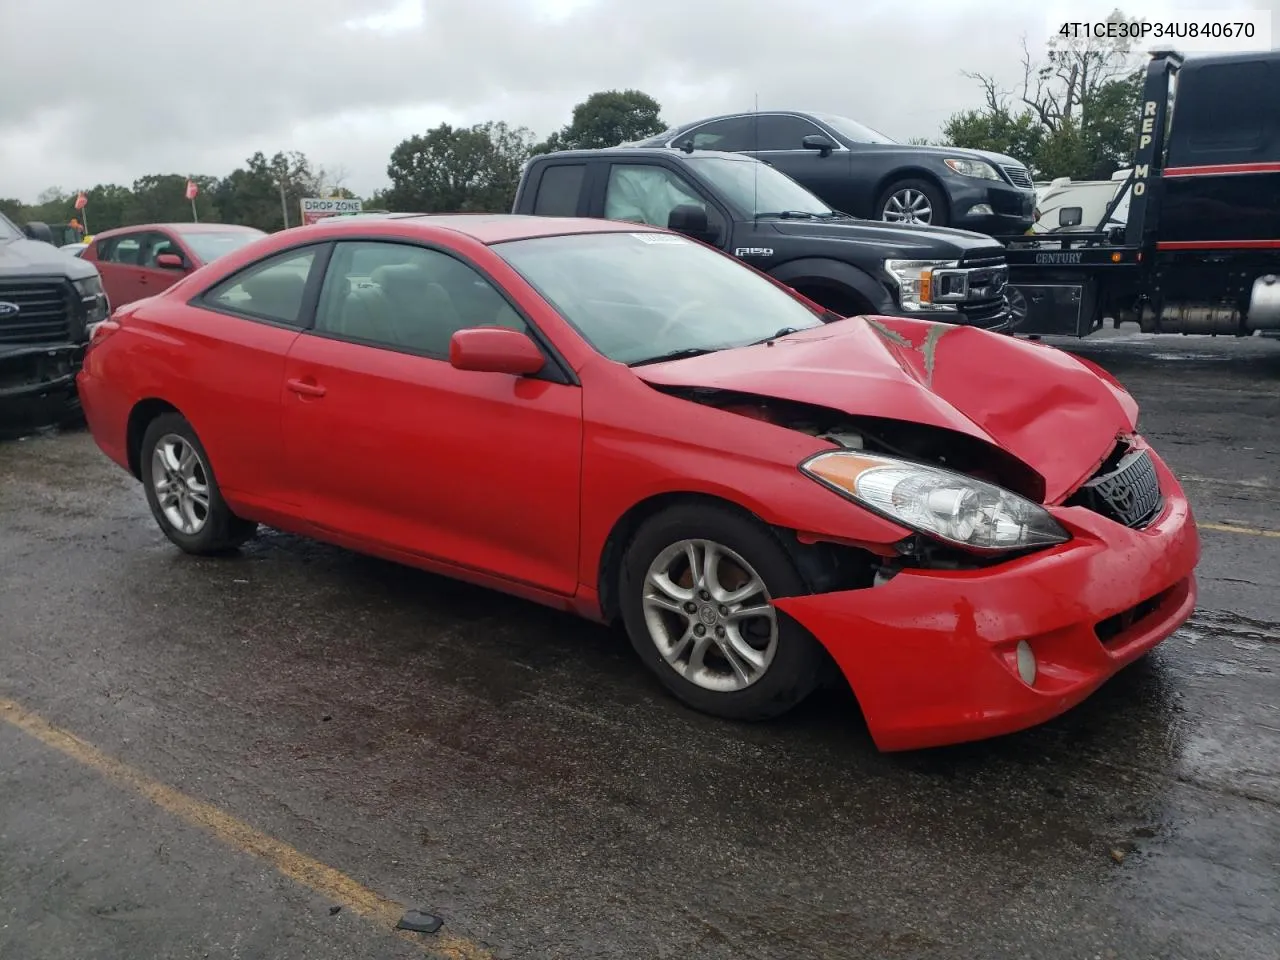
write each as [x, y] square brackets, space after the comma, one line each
[195, 88]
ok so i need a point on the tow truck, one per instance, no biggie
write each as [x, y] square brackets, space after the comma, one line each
[1200, 250]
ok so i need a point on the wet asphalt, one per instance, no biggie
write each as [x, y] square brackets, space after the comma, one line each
[516, 772]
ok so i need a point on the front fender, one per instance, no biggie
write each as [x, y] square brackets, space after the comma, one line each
[822, 271]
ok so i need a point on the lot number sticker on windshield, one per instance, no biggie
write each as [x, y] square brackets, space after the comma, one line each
[658, 238]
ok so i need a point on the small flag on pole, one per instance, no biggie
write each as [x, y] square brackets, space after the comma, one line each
[192, 190]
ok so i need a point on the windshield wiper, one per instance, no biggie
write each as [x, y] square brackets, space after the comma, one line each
[674, 355]
[774, 336]
[790, 214]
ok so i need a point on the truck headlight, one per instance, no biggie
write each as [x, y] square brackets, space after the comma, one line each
[93, 298]
[973, 168]
[939, 503]
[919, 286]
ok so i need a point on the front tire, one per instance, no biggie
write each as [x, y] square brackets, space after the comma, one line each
[183, 493]
[697, 585]
[913, 201]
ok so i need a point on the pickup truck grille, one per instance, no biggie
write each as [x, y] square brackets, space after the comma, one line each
[1018, 176]
[43, 314]
[987, 274]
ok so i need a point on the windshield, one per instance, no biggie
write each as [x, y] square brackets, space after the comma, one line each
[209, 245]
[852, 129]
[757, 189]
[638, 296]
[8, 230]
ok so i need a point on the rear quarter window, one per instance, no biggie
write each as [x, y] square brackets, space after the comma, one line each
[559, 188]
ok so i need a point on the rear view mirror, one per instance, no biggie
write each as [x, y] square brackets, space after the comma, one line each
[495, 350]
[815, 141]
[35, 230]
[1070, 216]
[691, 220]
[169, 261]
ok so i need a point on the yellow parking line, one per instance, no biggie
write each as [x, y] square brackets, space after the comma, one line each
[1232, 528]
[295, 865]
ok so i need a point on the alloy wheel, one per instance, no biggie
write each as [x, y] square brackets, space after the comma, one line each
[181, 483]
[710, 615]
[908, 205]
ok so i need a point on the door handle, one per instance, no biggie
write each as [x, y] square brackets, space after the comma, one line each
[305, 389]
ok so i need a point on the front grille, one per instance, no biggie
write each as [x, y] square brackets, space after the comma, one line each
[43, 315]
[1018, 176]
[991, 313]
[1126, 489]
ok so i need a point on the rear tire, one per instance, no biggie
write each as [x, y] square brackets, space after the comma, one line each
[716, 641]
[183, 493]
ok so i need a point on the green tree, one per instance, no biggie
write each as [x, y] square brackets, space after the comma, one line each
[448, 169]
[1077, 109]
[265, 191]
[606, 119]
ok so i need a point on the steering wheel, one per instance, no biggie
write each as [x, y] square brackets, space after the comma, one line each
[676, 318]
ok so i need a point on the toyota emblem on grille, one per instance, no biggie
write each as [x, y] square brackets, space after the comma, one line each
[8, 309]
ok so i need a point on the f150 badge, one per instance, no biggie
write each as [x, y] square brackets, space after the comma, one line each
[753, 252]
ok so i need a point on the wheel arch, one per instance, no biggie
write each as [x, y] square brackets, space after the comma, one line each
[140, 417]
[823, 274]
[822, 566]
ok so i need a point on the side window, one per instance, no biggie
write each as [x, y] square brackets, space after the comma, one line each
[406, 298]
[646, 193]
[152, 244]
[559, 189]
[122, 249]
[272, 289]
[779, 132]
[733, 134]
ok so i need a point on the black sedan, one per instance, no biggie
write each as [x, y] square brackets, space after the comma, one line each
[866, 174]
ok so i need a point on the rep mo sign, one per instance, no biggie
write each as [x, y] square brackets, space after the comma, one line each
[317, 208]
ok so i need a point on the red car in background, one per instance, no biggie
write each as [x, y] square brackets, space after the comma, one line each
[141, 261]
[617, 421]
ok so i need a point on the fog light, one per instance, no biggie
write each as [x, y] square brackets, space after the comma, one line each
[1026, 663]
[981, 210]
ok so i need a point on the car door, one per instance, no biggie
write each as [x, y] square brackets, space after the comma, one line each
[642, 192]
[152, 277]
[117, 259]
[390, 446]
[235, 337]
[780, 139]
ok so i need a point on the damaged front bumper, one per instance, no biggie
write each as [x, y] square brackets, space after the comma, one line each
[933, 655]
[38, 384]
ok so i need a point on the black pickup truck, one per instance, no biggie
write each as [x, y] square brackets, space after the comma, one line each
[48, 301]
[763, 217]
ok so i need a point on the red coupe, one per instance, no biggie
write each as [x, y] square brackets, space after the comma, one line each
[137, 262]
[618, 421]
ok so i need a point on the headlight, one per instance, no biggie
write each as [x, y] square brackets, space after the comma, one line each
[973, 168]
[919, 283]
[93, 298]
[939, 503]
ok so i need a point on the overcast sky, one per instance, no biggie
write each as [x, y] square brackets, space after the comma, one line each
[94, 91]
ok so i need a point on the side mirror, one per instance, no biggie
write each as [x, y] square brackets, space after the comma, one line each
[815, 141]
[495, 350]
[1070, 216]
[35, 230]
[170, 261]
[689, 219]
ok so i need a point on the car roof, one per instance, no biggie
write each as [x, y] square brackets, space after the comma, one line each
[486, 228]
[645, 152]
[178, 227]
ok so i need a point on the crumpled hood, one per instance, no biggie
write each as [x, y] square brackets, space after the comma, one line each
[1044, 406]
